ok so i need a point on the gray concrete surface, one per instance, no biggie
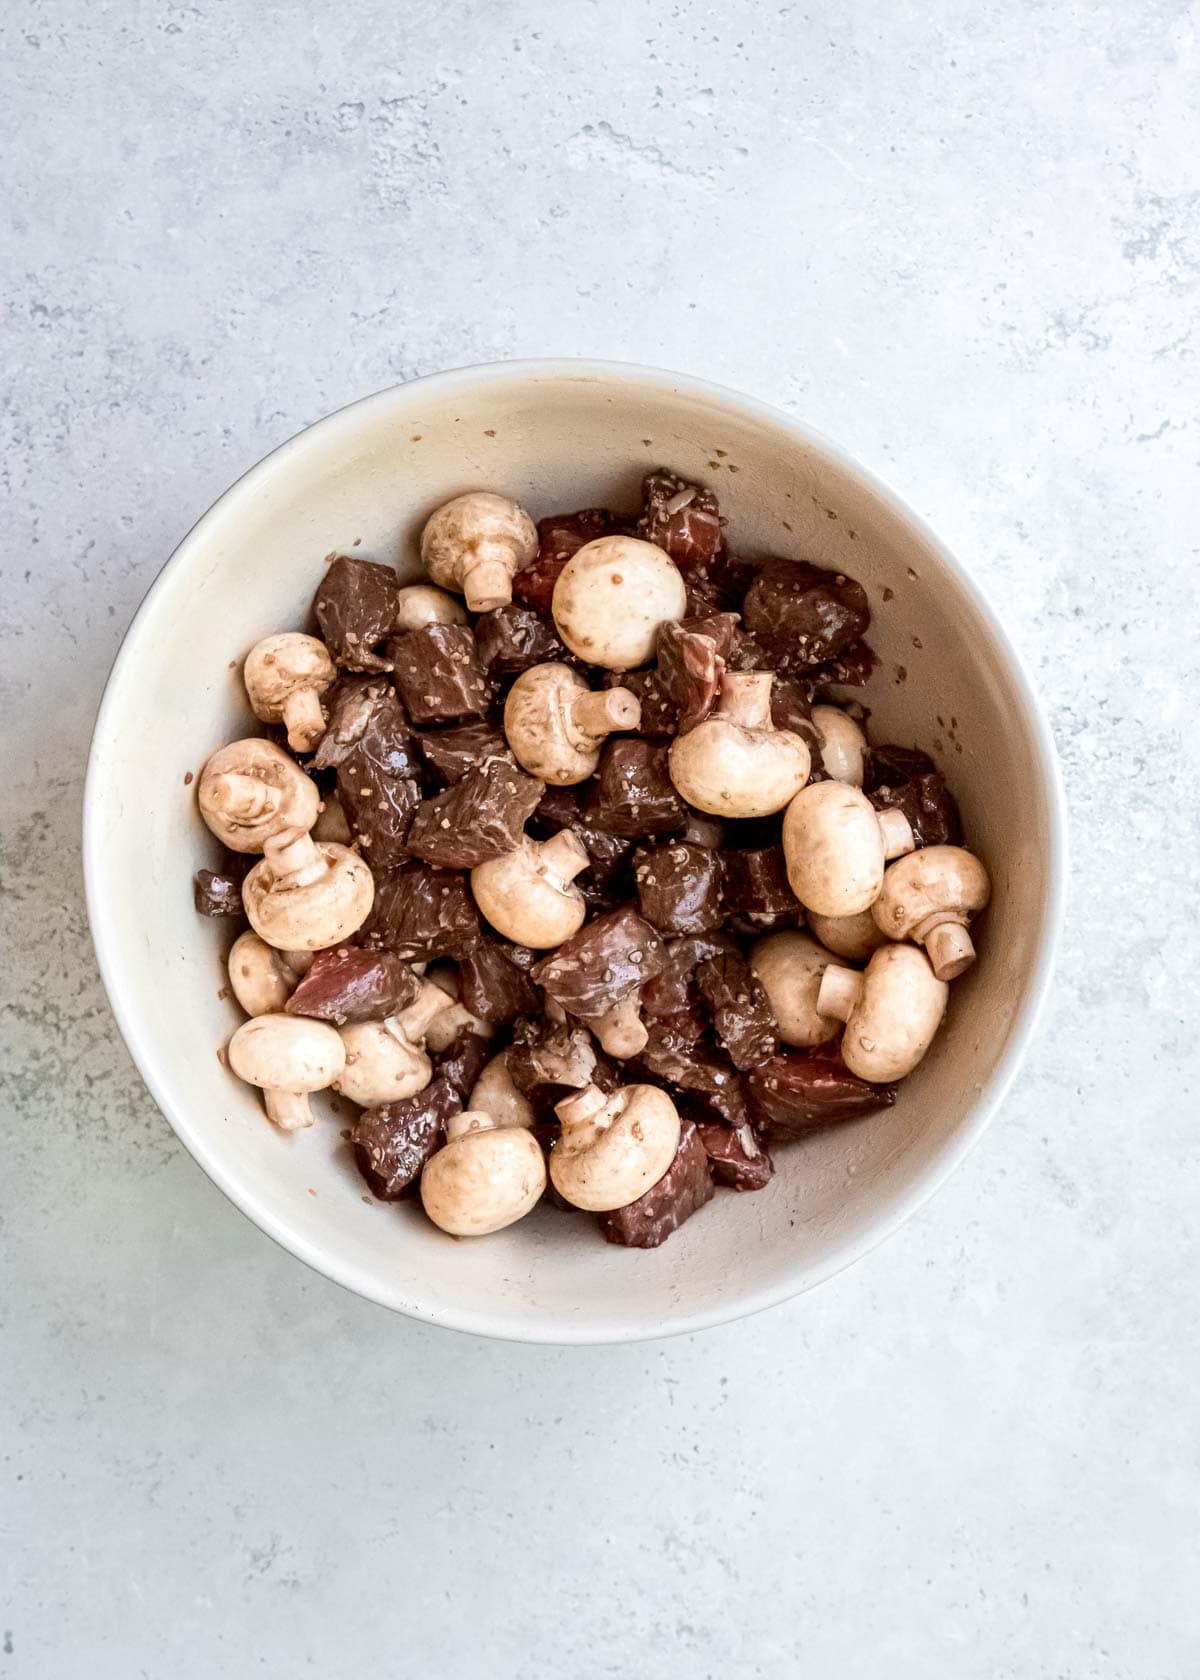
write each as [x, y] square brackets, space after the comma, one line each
[964, 238]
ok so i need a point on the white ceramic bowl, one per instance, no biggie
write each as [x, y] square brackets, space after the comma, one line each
[560, 435]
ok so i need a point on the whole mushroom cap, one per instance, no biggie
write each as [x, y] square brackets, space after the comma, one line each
[483, 1180]
[834, 849]
[736, 763]
[529, 894]
[494, 1093]
[312, 909]
[936, 881]
[610, 598]
[278, 666]
[615, 1148]
[475, 543]
[897, 1014]
[286, 1053]
[380, 1066]
[843, 745]
[252, 790]
[790, 965]
[854, 937]
[262, 978]
[424, 603]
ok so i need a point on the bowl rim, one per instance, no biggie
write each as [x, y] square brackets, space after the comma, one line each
[902, 1204]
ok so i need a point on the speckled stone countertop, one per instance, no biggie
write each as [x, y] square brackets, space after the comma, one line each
[964, 239]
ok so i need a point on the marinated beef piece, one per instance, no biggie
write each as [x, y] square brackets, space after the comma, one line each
[482, 816]
[217, 894]
[678, 1060]
[378, 781]
[422, 913]
[514, 638]
[345, 984]
[679, 887]
[548, 1062]
[633, 794]
[451, 752]
[559, 536]
[799, 1090]
[438, 673]
[492, 987]
[851, 669]
[559, 807]
[906, 779]
[674, 990]
[659, 717]
[804, 613]
[393, 1142]
[682, 518]
[605, 962]
[736, 1158]
[681, 1191]
[930, 807]
[349, 706]
[356, 607]
[690, 668]
[892, 766]
[741, 1013]
[460, 1065]
[750, 654]
[720, 627]
[791, 708]
[755, 885]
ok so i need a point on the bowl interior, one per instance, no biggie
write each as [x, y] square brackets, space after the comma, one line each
[363, 482]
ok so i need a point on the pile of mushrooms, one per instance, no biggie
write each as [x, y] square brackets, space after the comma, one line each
[880, 926]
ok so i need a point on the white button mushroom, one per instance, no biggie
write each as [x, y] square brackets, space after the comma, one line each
[790, 966]
[736, 763]
[495, 1094]
[475, 543]
[287, 1056]
[421, 604]
[250, 790]
[622, 1032]
[486, 1177]
[556, 726]
[930, 897]
[853, 937]
[891, 1011]
[285, 677]
[261, 977]
[836, 843]
[613, 1148]
[610, 598]
[843, 745]
[386, 1060]
[529, 894]
[304, 896]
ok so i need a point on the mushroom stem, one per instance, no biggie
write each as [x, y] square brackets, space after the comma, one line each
[597, 715]
[745, 698]
[413, 1022]
[949, 948]
[565, 854]
[585, 1105]
[288, 1109]
[293, 857]
[621, 1032]
[242, 798]
[303, 719]
[469, 1120]
[896, 833]
[487, 580]
[840, 991]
